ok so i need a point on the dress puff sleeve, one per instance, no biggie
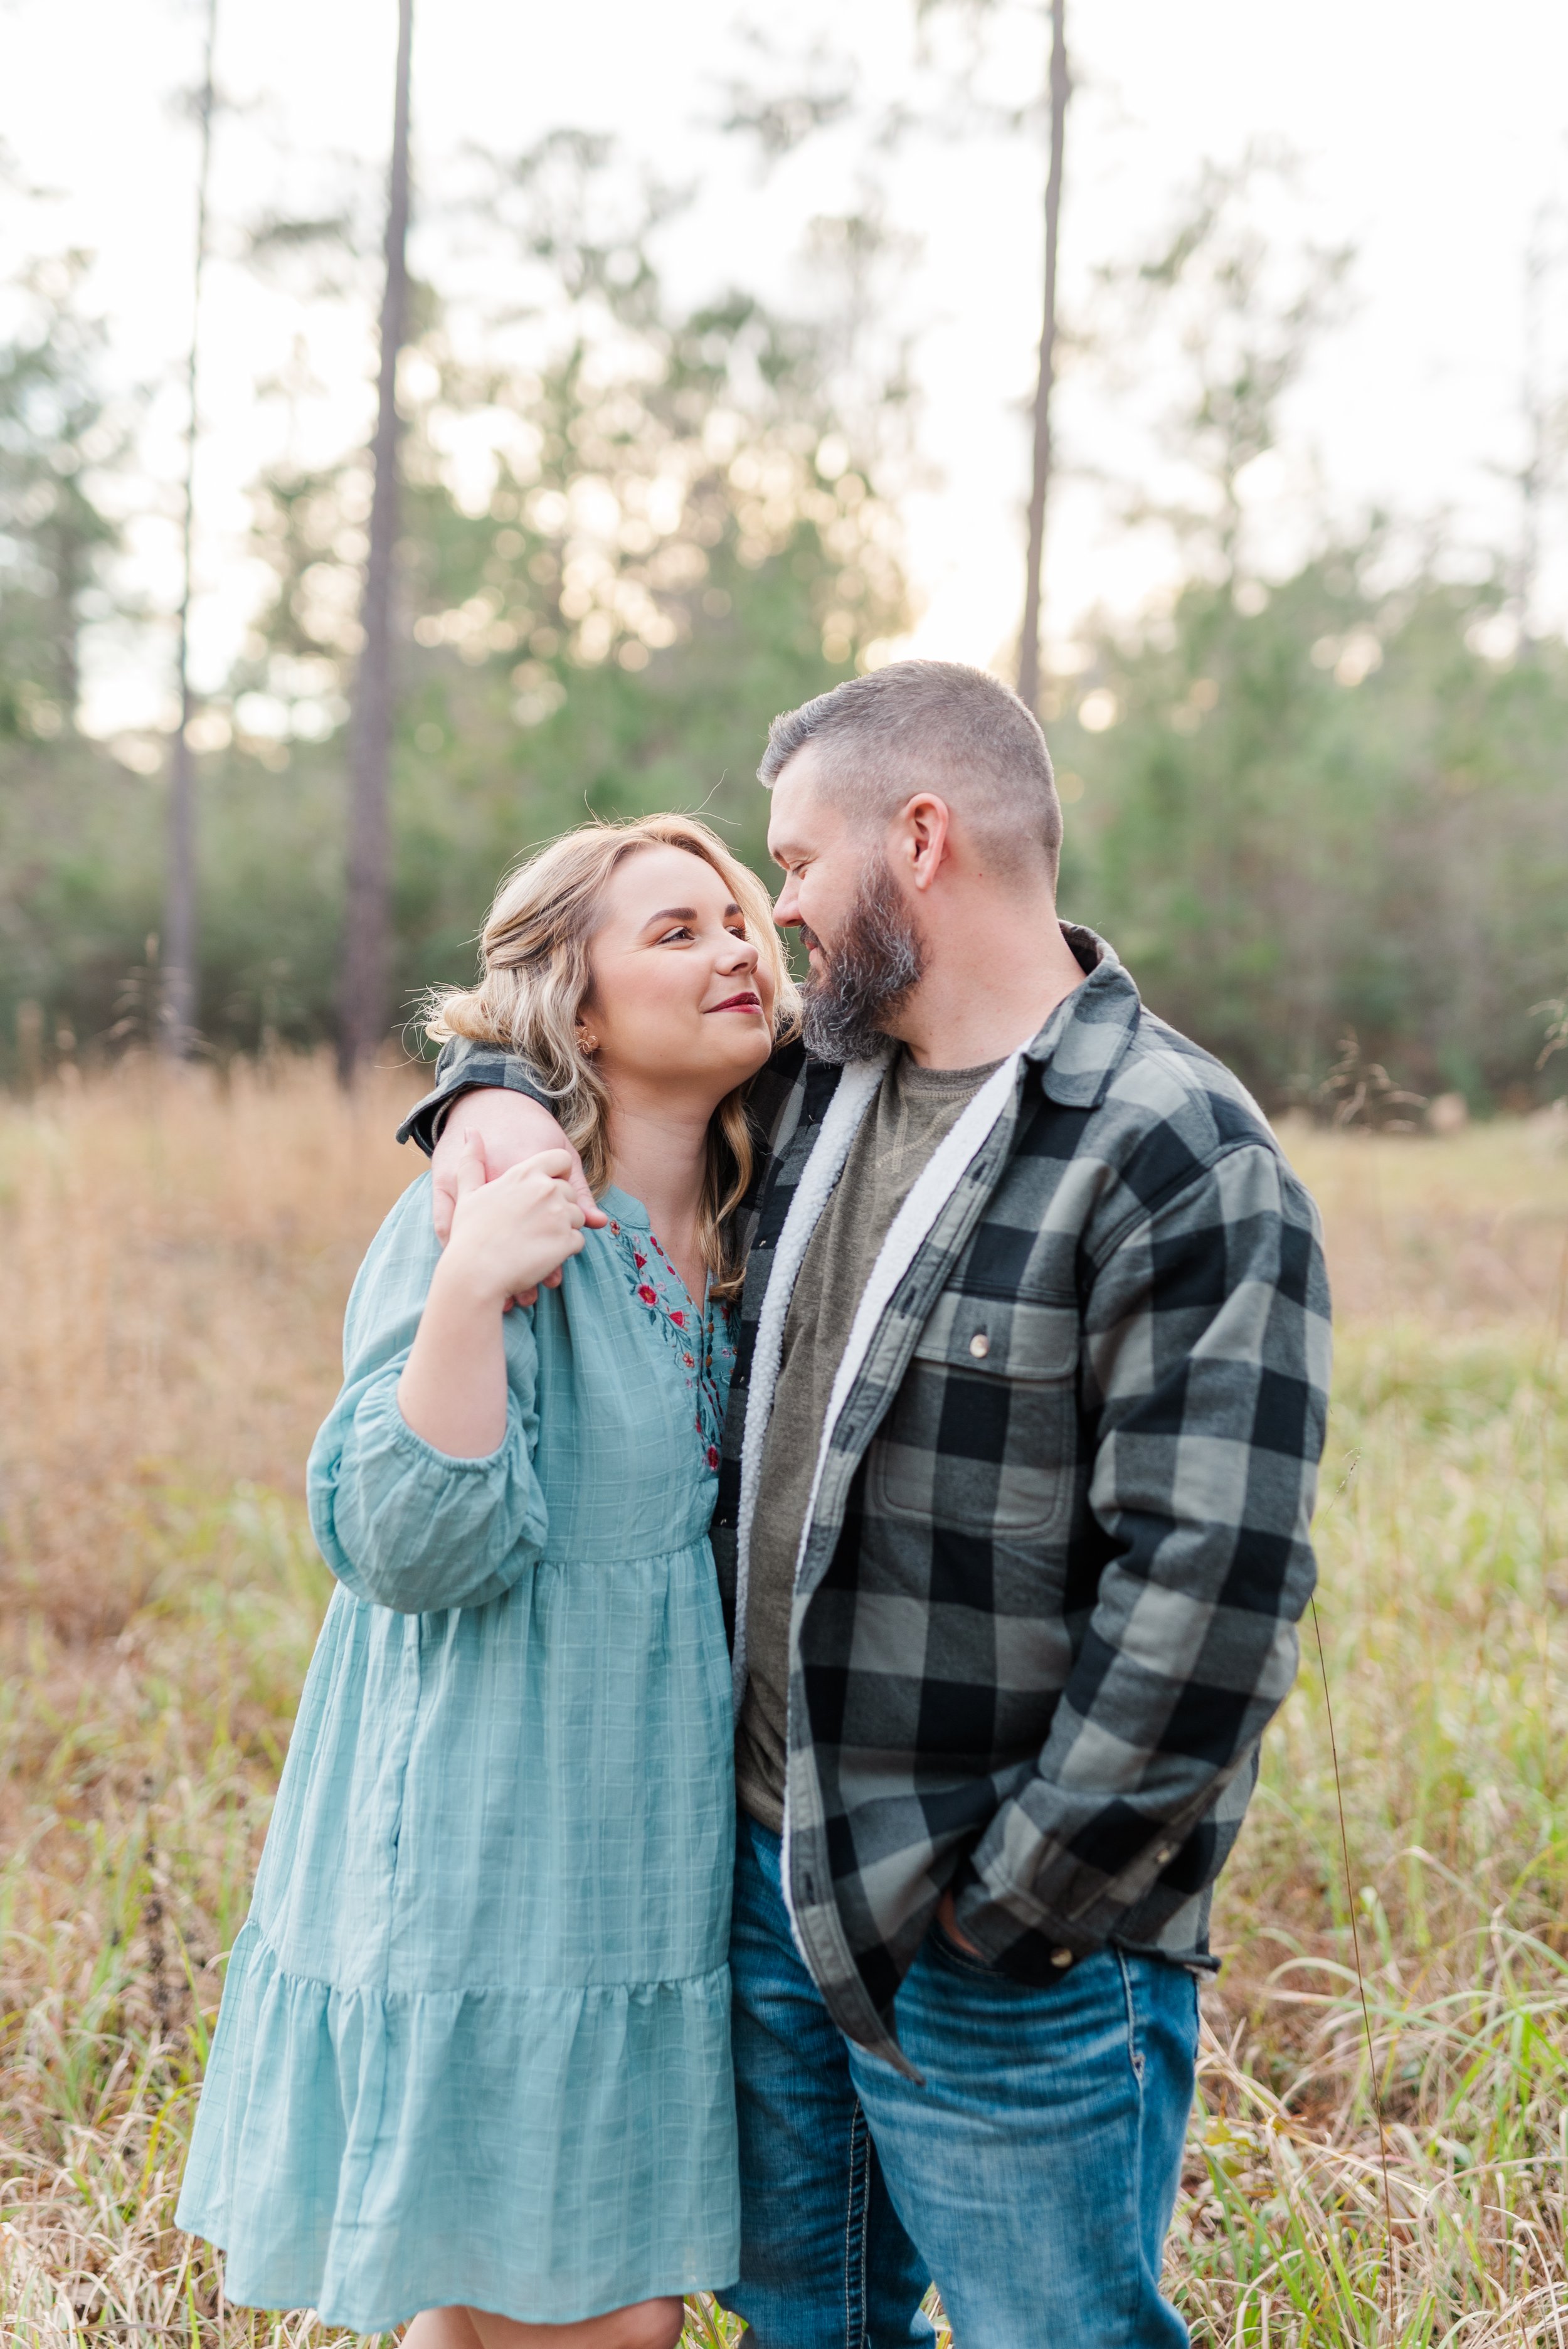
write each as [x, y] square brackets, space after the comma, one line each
[399, 1523]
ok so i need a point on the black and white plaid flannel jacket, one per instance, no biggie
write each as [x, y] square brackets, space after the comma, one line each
[1046, 1602]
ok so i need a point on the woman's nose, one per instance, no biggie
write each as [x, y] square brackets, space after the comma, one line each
[739, 954]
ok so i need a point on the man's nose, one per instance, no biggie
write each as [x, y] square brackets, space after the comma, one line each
[787, 906]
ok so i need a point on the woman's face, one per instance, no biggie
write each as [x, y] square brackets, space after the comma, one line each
[677, 993]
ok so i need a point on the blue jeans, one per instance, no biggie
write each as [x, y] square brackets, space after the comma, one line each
[1031, 2178]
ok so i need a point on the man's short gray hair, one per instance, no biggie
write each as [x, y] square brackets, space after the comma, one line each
[936, 725]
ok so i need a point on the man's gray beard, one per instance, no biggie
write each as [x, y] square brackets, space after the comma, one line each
[868, 973]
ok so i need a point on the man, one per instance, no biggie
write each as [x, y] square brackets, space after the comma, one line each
[1012, 1530]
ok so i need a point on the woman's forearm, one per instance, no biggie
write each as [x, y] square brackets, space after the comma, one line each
[453, 1390]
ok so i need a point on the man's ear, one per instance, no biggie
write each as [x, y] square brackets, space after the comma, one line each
[924, 823]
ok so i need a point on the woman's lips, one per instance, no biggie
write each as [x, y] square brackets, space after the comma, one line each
[747, 1002]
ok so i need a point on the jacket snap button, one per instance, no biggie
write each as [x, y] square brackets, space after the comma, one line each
[1061, 1957]
[979, 1345]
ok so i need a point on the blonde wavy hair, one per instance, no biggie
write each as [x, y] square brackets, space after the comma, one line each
[535, 974]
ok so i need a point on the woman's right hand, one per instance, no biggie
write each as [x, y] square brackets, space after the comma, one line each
[506, 1236]
[509, 1235]
[509, 1127]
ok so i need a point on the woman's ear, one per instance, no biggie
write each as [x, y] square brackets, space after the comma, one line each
[587, 1041]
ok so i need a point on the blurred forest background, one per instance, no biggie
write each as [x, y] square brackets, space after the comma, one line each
[1307, 807]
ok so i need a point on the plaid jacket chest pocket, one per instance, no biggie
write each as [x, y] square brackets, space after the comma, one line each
[983, 1432]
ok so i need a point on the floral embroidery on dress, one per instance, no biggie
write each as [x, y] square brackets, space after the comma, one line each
[703, 1342]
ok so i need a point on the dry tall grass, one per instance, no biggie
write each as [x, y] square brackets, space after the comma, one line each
[173, 1260]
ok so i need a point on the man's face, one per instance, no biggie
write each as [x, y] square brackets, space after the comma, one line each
[810, 835]
[839, 893]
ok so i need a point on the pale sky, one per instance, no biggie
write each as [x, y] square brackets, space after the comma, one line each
[1430, 134]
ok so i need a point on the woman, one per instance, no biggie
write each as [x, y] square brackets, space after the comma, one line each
[473, 2054]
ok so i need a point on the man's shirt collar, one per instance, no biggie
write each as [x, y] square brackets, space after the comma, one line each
[1084, 1041]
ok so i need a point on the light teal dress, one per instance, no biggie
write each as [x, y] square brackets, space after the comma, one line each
[474, 2044]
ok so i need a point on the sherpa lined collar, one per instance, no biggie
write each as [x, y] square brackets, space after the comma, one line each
[1086, 1038]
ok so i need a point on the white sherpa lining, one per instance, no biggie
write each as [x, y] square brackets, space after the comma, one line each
[935, 1184]
[852, 1096]
[937, 1181]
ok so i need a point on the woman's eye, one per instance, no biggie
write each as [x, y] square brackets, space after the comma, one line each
[681, 931]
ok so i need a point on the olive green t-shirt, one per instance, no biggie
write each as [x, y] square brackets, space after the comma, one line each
[913, 1110]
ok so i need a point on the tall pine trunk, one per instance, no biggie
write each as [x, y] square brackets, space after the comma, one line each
[1029, 639]
[1535, 474]
[177, 1008]
[364, 1006]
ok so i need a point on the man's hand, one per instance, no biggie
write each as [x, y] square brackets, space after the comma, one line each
[512, 1230]
[507, 1235]
[509, 1127]
[947, 1917]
